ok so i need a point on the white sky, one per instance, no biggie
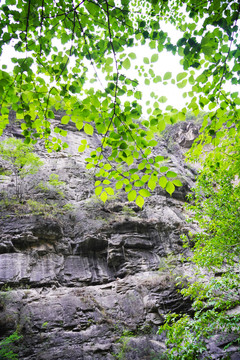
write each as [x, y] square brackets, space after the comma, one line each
[167, 62]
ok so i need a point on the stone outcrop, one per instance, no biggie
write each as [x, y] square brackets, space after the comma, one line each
[75, 282]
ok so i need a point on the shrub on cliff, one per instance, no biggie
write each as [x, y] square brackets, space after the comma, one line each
[18, 161]
[7, 347]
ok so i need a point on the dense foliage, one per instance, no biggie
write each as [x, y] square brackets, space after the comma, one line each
[65, 45]
[7, 347]
[215, 205]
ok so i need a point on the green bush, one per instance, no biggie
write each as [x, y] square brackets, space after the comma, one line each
[7, 347]
[53, 185]
[19, 161]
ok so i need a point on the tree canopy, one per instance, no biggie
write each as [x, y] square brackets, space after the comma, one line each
[64, 46]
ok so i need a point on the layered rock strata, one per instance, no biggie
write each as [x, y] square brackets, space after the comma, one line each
[93, 282]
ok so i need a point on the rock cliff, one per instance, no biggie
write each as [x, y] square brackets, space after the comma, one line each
[92, 281]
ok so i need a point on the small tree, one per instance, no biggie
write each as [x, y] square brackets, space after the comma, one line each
[20, 160]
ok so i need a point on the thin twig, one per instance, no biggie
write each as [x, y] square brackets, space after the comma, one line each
[28, 15]
[70, 53]
[89, 54]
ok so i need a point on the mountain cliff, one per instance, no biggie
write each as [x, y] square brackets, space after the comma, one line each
[85, 280]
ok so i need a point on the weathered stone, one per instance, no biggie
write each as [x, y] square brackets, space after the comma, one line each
[82, 279]
[14, 268]
[142, 347]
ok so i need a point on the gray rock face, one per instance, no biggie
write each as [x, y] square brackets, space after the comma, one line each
[75, 282]
[84, 322]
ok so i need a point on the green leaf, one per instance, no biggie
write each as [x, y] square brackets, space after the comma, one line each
[140, 201]
[159, 158]
[119, 185]
[153, 122]
[64, 38]
[182, 84]
[126, 64]
[157, 79]
[81, 148]
[138, 183]
[123, 145]
[207, 50]
[167, 76]
[128, 187]
[151, 184]
[152, 44]
[136, 154]
[144, 192]
[145, 178]
[162, 99]
[161, 125]
[92, 8]
[181, 76]
[146, 60]
[65, 119]
[163, 181]
[171, 174]
[109, 191]
[177, 182]
[170, 187]
[138, 95]
[129, 160]
[98, 190]
[132, 55]
[88, 129]
[141, 166]
[103, 196]
[107, 167]
[212, 105]
[79, 125]
[132, 195]
[152, 143]
[154, 58]
[225, 48]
